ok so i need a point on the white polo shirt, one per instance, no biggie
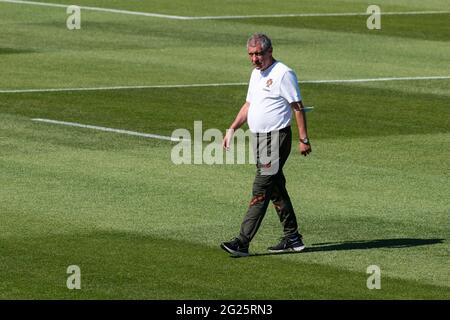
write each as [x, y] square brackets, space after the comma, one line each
[270, 93]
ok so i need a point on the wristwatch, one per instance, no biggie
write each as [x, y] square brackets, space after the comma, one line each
[304, 141]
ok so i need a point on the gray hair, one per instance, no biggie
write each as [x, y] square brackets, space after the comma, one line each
[260, 38]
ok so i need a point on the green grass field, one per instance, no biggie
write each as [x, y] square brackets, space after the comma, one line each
[375, 190]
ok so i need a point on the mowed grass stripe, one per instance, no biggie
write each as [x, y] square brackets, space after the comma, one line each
[200, 85]
[218, 8]
[150, 52]
[154, 111]
[147, 267]
[229, 17]
[431, 27]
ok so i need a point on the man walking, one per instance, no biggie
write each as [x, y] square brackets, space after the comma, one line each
[272, 93]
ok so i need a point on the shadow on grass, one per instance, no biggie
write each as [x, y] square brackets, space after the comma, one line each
[360, 245]
[14, 51]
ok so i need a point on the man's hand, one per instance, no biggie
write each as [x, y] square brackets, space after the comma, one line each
[237, 123]
[227, 139]
[305, 149]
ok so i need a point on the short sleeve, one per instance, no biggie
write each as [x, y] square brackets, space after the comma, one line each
[289, 87]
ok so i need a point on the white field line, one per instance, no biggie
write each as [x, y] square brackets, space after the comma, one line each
[165, 16]
[331, 14]
[378, 79]
[127, 87]
[199, 85]
[136, 13]
[131, 133]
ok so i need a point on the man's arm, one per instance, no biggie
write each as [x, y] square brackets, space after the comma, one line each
[300, 118]
[241, 118]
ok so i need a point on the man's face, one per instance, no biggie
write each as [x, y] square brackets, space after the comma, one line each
[260, 59]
